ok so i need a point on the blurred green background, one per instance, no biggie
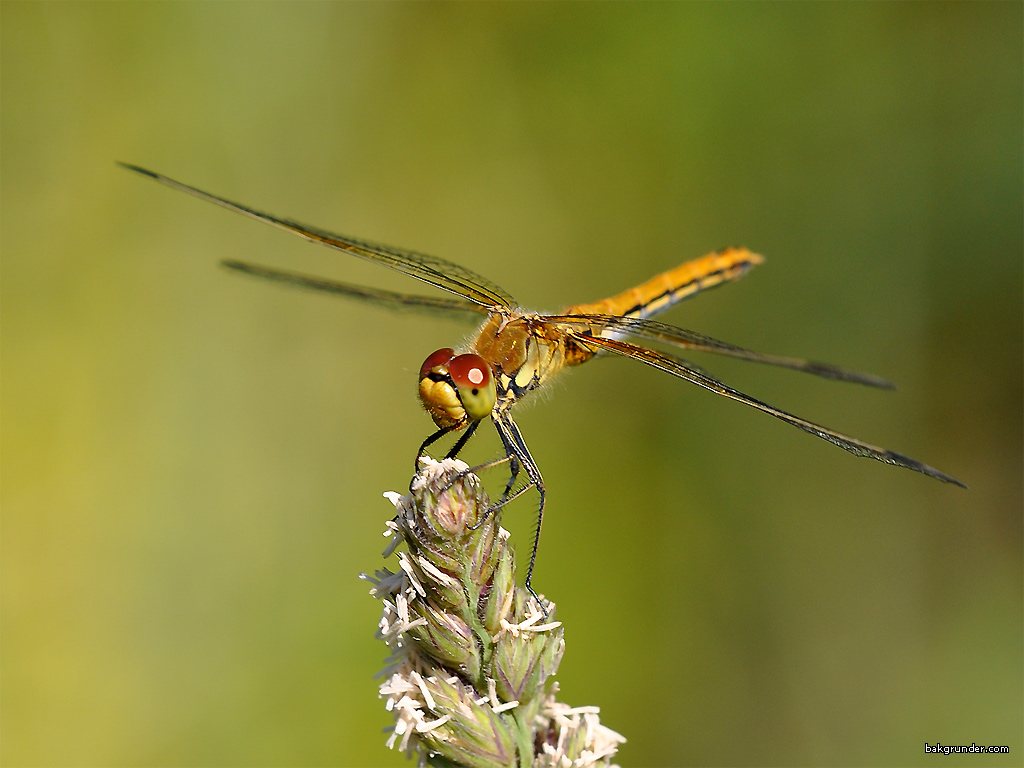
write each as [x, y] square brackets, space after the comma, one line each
[193, 461]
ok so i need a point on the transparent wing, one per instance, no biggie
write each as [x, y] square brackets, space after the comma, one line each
[680, 337]
[691, 373]
[386, 299]
[430, 269]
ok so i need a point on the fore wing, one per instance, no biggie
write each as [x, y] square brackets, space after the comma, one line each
[691, 373]
[387, 299]
[680, 337]
[430, 269]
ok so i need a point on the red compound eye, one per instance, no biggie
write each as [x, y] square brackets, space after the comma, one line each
[475, 385]
[435, 359]
[469, 371]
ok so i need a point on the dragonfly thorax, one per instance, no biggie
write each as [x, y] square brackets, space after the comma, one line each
[456, 389]
[524, 353]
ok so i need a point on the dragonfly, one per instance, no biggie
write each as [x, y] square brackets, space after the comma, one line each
[515, 352]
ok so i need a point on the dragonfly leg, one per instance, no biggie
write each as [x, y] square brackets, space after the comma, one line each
[461, 443]
[512, 457]
[427, 443]
[516, 448]
[423, 449]
[507, 494]
[505, 498]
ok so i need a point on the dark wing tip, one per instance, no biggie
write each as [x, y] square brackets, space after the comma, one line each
[834, 372]
[265, 272]
[254, 269]
[909, 463]
[138, 169]
[946, 478]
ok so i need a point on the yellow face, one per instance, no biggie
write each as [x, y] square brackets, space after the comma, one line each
[456, 389]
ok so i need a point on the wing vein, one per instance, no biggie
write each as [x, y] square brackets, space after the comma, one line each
[681, 337]
[433, 270]
[689, 372]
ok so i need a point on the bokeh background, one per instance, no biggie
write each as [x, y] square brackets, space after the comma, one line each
[193, 461]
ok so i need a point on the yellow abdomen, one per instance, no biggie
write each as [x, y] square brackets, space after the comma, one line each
[662, 291]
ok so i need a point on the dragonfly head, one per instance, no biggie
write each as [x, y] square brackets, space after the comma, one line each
[456, 389]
